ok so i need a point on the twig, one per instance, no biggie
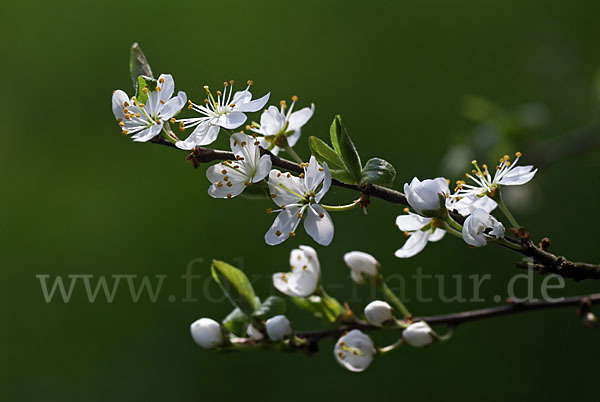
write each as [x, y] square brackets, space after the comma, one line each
[455, 319]
[550, 262]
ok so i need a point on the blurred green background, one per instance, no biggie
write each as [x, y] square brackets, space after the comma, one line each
[79, 198]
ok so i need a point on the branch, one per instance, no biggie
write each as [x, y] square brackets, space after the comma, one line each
[456, 319]
[546, 262]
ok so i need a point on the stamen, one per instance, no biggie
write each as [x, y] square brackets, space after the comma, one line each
[162, 80]
[292, 233]
[250, 82]
[518, 154]
[294, 98]
[269, 211]
[278, 233]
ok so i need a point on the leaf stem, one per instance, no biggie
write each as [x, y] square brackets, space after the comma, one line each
[507, 212]
[394, 299]
[340, 208]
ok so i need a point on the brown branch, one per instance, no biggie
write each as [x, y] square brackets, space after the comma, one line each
[545, 262]
[455, 319]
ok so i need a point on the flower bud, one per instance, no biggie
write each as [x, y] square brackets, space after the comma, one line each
[378, 312]
[427, 197]
[364, 266]
[481, 226]
[418, 334]
[207, 333]
[354, 351]
[590, 320]
[279, 328]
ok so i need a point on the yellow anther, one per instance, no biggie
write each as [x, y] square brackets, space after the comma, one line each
[283, 207]
[224, 171]
[228, 195]
[273, 195]
[243, 143]
[122, 124]
[162, 80]
[269, 211]
[219, 184]
[229, 184]
[172, 120]
[292, 233]
[518, 154]
[407, 234]
[321, 215]
[125, 132]
[231, 82]
[250, 82]
[219, 93]
[406, 210]
[145, 90]
[225, 178]
[299, 217]
[126, 104]
[225, 84]
[288, 175]
[294, 98]
[279, 174]
[321, 169]
[301, 175]
[138, 115]
[157, 89]
[278, 233]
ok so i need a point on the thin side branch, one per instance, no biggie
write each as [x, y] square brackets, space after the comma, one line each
[544, 262]
[456, 319]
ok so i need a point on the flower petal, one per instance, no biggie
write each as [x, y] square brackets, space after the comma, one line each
[280, 282]
[411, 222]
[173, 106]
[518, 175]
[299, 118]
[318, 225]
[413, 246]
[119, 98]
[252, 106]
[204, 134]
[284, 188]
[147, 135]
[437, 235]
[284, 223]
[271, 121]
[167, 87]
[263, 168]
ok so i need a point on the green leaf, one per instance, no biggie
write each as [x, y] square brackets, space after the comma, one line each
[274, 305]
[236, 322]
[324, 153]
[345, 148]
[138, 65]
[236, 286]
[378, 171]
[327, 308]
[142, 84]
[342, 175]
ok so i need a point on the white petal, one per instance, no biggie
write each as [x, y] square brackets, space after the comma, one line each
[280, 283]
[300, 117]
[314, 174]
[148, 134]
[303, 282]
[254, 105]
[437, 235]
[518, 175]
[167, 87]
[226, 191]
[280, 195]
[231, 120]
[271, 121]
[118, 103]
[263, 168]
[318, 225]
[411, 222]
[326, 183]
[173, 106]
[203, 134]
[241, 97]
[413, 246]
[284, 223]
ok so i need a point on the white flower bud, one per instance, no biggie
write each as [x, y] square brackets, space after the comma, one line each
[254, 333]
[354, 351]
[278, 328]
[364, 266]
[480, 226]
[207, 333]
[590, 320]
[418, 334]
[424, 196]
[378, 312]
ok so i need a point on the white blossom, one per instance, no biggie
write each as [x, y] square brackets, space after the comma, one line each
[481, 226]
[424, 196]
[278, 328]
[466, 205]
[378, 312]
[207, 333]
[419, 230]
[364, 267]
[354, 351]
[227, 110]
[144, 121]
[299, 197]
[230, 178]
[303, 279]
[279, 122]
[507, 174]
[418, 334]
